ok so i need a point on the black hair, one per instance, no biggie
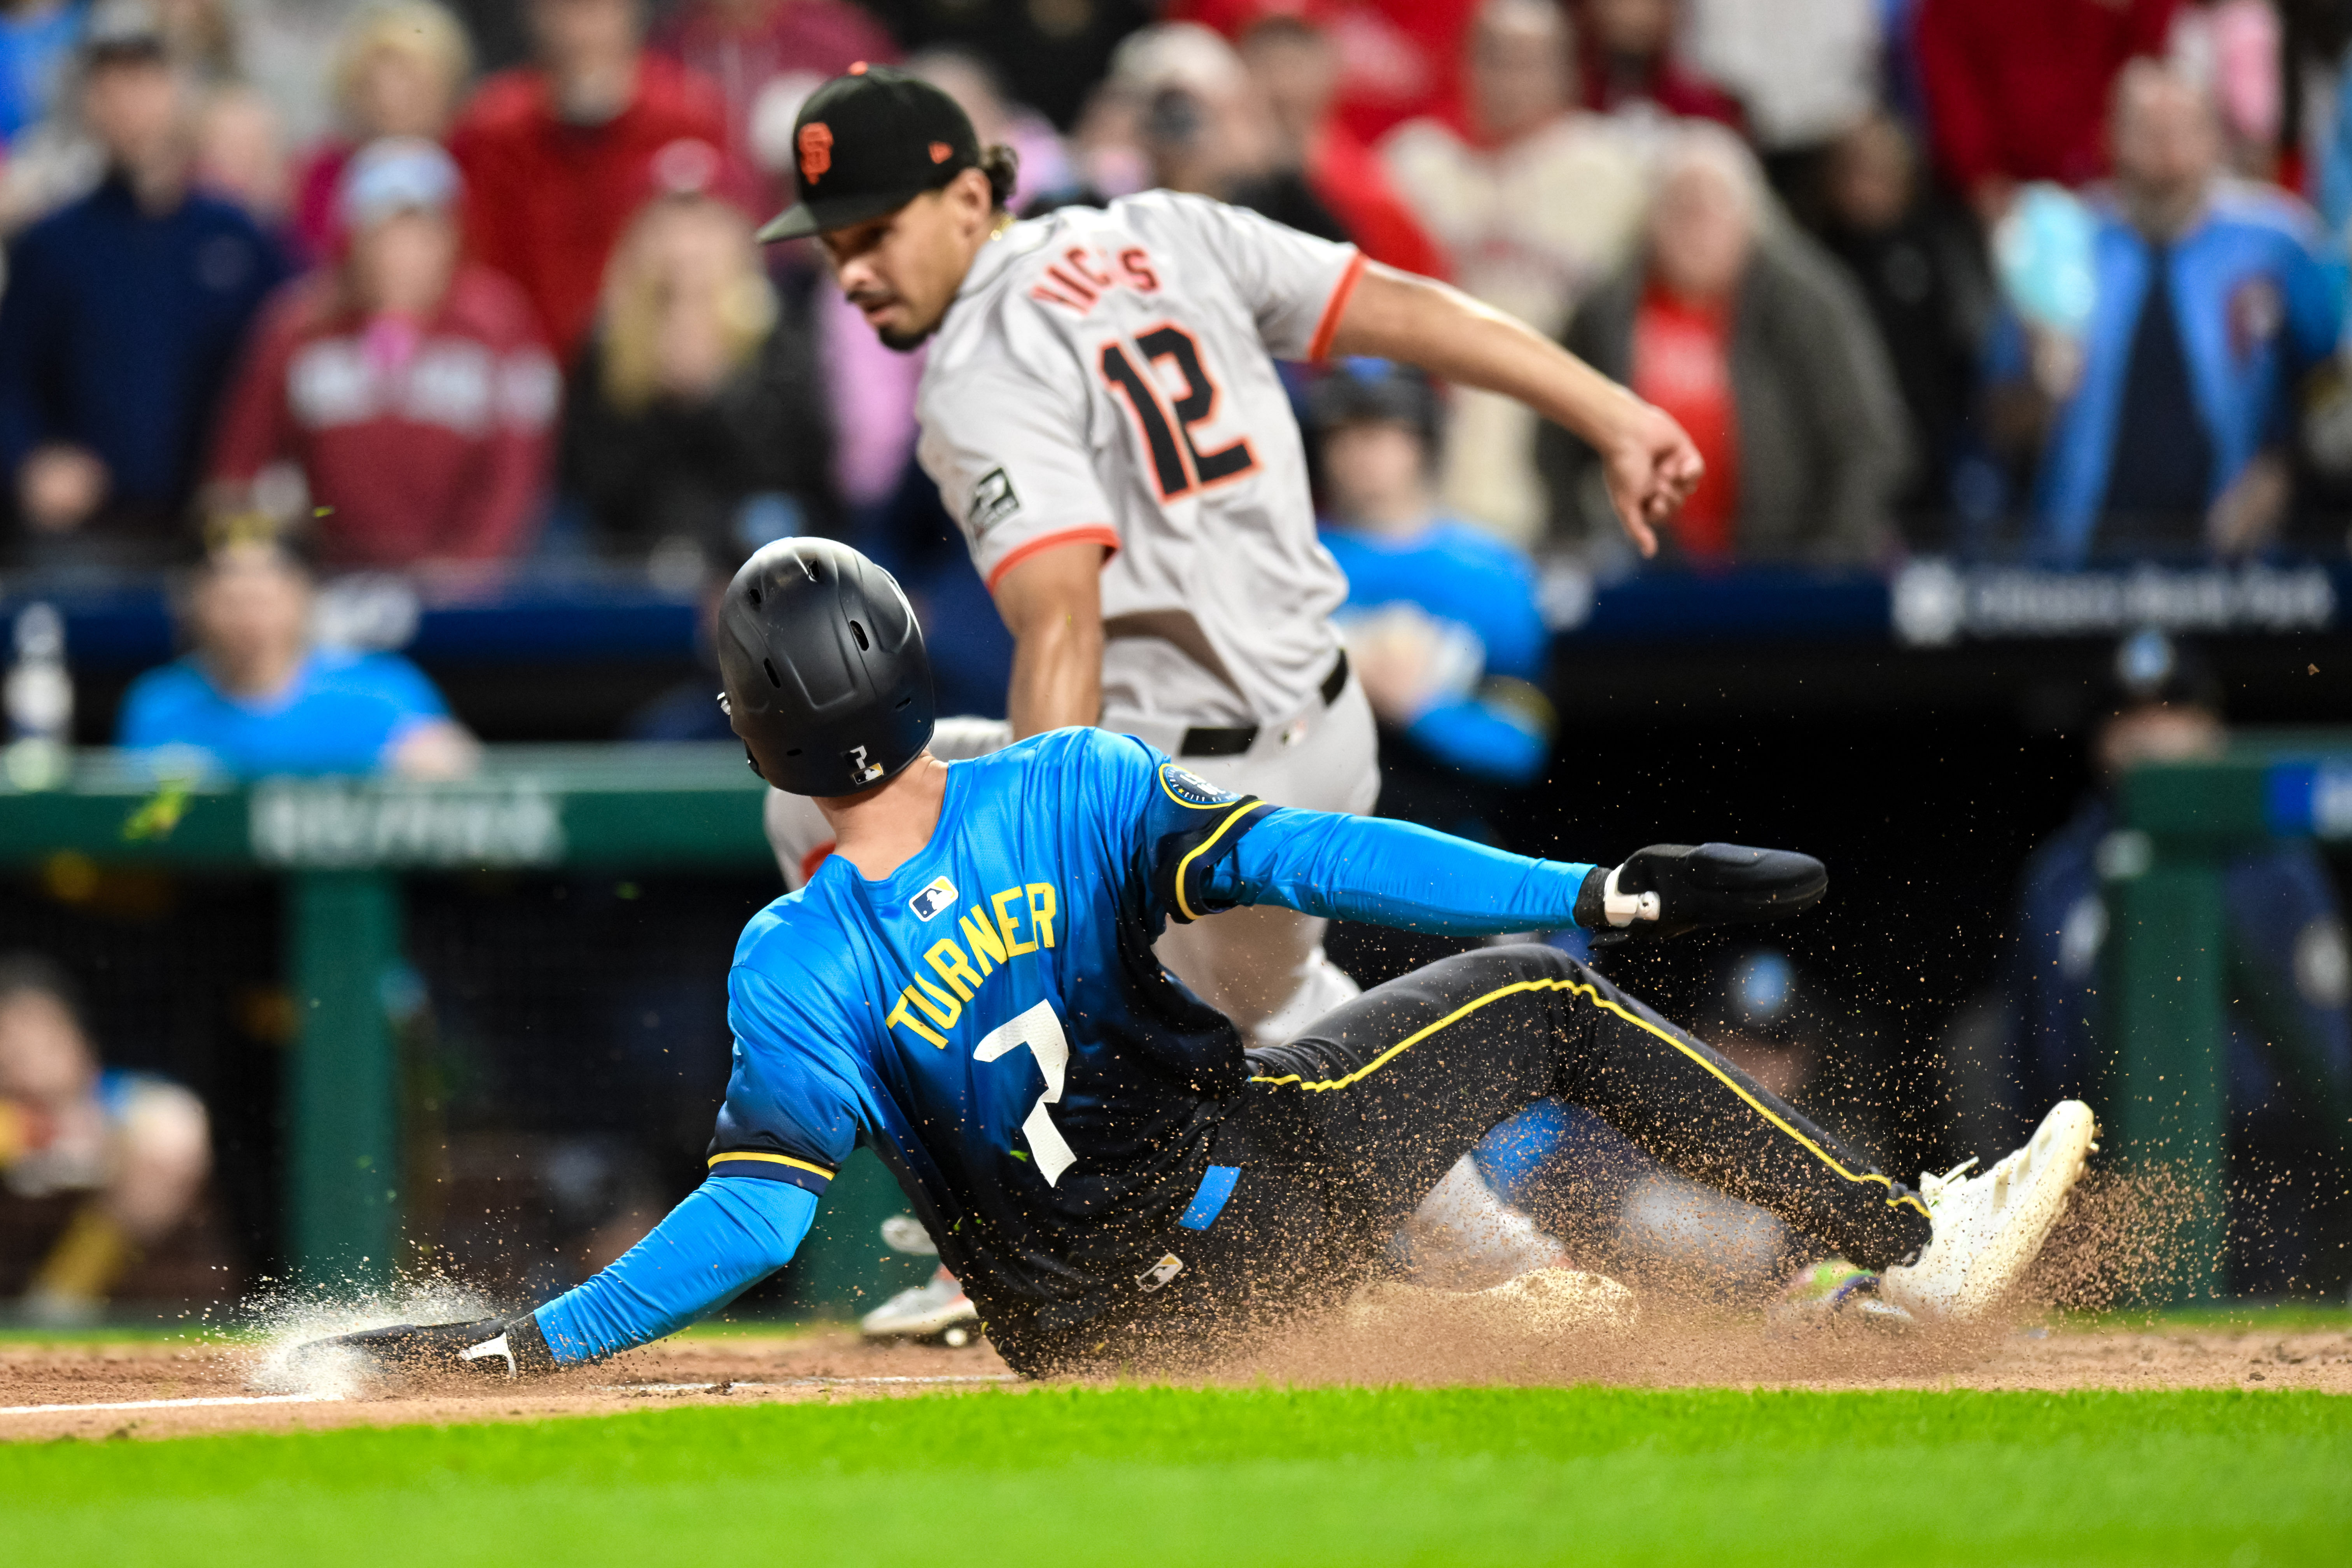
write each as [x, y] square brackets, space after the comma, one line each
[1002, 164]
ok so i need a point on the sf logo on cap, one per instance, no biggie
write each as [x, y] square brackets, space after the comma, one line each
[816, 149]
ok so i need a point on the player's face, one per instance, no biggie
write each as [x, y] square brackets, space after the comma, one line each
[902, 269]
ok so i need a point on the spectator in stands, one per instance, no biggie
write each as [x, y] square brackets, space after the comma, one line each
[1440, 621]
[1048, 53]
[1930, 301]
[410, 388]
[1631, 65]
[240, 157]
[1745, 331]
[1203, 126]
[122, 314]
[2289, 1062]
[1296, 66]
[37, 39]
[2018, 90]
[696, 423]
[1805, 72]
[95, 1165]
[399, 67]
[1044, 171]
[2213, 299]
[744, 46]
[558, 155]
[254, 696]
[1533, 204]
[1403, 58]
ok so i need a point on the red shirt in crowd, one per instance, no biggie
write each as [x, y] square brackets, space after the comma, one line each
[426, 440]
[1682, 363]
[819, 38]
[2019, 88]
[546, 201]
[1399, 59]
[1348, 178]
[1673, 87]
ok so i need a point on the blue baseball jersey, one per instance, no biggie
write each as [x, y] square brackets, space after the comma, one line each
[990, 1020]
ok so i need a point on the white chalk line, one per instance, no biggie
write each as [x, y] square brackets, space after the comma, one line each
[174, 1404]
[233, 1399]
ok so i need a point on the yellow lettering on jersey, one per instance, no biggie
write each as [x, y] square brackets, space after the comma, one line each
[1010, 923]
[987, 947]
[953, 967]
[904, 1014]
[1041, 910]
[937, 1004]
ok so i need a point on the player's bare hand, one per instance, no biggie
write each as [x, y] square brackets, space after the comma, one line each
[1651, 466]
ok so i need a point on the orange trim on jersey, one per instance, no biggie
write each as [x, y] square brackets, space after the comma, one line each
[1093, 534]
[1328, 327]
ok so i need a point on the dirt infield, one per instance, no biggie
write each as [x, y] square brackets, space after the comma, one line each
[834, 1366]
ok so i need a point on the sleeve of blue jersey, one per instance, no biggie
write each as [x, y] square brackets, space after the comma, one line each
[730, 1234]
[1395, 874]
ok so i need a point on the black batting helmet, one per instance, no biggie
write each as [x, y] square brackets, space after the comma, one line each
[827, 682]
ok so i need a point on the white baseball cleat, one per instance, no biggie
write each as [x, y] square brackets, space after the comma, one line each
[1988, 1228]
[937, 1311]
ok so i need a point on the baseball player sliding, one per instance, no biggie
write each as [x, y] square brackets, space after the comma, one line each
[1102, 414]
[967, 987]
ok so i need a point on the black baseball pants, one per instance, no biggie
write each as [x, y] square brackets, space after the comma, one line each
[1340, 1133]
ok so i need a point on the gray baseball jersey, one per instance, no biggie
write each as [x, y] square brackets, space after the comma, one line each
[1106, 375]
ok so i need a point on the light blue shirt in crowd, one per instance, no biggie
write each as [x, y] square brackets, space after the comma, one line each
[343, 713]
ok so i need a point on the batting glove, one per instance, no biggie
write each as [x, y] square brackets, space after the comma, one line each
[1669, 889]
[498, 1348]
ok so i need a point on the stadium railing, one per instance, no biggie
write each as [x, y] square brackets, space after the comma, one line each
[341, 847]
[2168, 963]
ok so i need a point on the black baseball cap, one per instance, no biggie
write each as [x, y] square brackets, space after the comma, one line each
[870, 142]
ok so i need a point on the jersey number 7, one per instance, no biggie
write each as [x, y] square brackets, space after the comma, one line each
[1178, 469]
[1041, 1031]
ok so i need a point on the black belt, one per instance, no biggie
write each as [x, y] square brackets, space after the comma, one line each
[1232, 740]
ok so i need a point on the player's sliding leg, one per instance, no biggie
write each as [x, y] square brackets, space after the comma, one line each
[1388, 1091]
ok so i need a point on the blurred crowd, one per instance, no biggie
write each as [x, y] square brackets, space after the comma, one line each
[304, 287]
[436, 289]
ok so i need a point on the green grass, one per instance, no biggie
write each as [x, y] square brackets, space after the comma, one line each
[1239, 1477]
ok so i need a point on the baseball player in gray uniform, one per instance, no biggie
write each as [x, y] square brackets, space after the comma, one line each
[1103, 416]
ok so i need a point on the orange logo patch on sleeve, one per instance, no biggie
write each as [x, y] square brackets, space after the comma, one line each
[940, 152]
[816, 149]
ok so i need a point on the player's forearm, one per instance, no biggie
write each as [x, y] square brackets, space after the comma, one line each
[1395, 874]
[1395, 315]
[1056, 678]
[730, 1232]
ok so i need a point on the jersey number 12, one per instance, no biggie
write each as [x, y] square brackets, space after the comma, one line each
[1041, 1030]
[1178, 469]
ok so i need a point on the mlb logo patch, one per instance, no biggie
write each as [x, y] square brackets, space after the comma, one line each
[940, 895]
[1158, 1274]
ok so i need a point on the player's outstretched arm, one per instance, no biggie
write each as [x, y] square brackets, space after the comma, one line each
[1398, 874]
[1650, 465]
[730, 1232]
